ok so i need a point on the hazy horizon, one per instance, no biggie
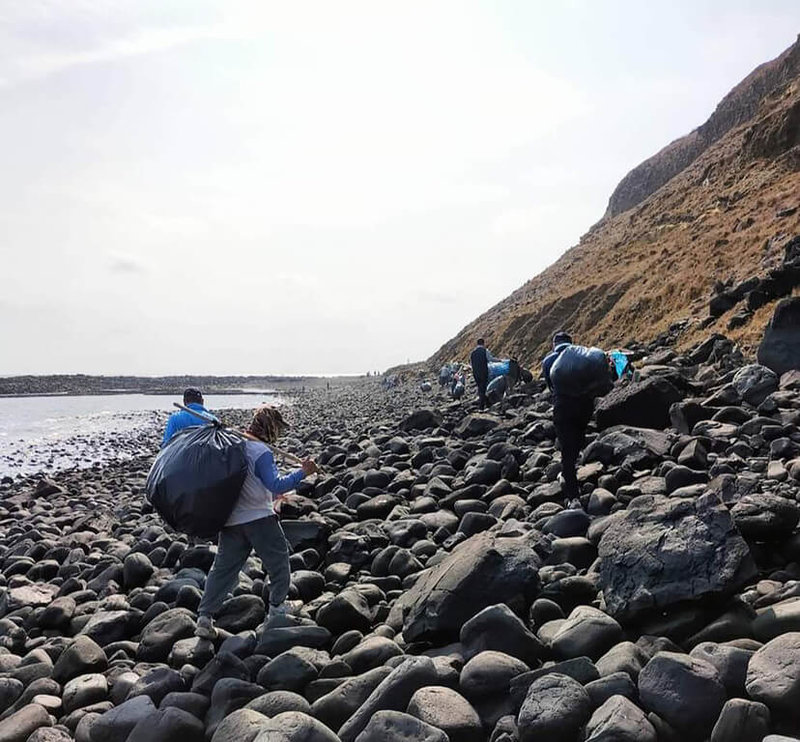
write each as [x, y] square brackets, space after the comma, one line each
[219, 188]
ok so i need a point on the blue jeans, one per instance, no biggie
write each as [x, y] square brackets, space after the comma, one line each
[235, 544]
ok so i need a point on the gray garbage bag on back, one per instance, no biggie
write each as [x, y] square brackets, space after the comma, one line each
[196, 479]
[581, 372]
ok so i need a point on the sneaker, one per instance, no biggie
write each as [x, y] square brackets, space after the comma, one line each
[205, 628]
[276, 614]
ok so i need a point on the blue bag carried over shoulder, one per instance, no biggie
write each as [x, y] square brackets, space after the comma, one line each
[581, 372]
[498, 368]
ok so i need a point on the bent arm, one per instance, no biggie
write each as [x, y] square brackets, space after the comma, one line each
[546, 364]
[267, 472]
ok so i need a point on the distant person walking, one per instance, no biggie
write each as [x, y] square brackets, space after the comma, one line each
[576, 375]
[193, 399]
[458, 384]
[479, 360]
[254, 525]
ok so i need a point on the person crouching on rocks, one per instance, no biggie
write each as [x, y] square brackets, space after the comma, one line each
[253, 524]
[576, 375]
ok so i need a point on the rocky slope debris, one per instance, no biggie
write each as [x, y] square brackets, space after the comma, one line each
[443, 588]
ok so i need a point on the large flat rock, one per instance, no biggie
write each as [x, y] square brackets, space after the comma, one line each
[484, 570]
[663, 551]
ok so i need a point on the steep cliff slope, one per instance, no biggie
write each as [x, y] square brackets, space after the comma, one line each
[689, 225]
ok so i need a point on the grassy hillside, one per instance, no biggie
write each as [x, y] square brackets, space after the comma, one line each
[706, 213]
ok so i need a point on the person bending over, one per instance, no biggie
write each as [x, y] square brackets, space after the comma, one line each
[576, 375]
[253, 524]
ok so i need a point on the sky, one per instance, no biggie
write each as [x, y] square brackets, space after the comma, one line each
[266, 187]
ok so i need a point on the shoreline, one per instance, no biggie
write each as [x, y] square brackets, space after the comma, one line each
[83, 385]
[88, 438]
[122, 392]
[101, 448]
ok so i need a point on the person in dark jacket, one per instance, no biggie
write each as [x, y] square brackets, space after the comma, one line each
[479, 360]
[575, 375]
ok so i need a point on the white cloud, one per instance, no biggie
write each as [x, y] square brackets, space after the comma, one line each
[144, 42]
[126, 264]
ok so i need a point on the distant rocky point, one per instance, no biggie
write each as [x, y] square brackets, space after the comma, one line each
[17, 386]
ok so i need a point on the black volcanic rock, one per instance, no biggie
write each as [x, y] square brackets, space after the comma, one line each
[780, 347]
[684, 691]
[399, 614]
[484, 570]
[663, 551]
[643, 404]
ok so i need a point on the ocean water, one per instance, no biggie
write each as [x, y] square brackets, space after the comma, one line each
[46, 434]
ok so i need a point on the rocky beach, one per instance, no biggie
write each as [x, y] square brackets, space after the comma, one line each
[444, 588]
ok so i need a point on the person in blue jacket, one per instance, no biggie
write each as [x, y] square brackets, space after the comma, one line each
[193, 399]
[576, 375]
[253, 524]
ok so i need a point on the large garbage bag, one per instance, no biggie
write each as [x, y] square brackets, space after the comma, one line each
[499, 368]
[581, 372]
[196, 479]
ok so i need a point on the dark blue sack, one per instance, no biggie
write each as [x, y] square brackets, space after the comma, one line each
[196, 479]
[581, 372]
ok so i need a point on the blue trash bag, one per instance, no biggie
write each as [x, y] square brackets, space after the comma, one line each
[621, 363]
[498, 368]
[196, 479]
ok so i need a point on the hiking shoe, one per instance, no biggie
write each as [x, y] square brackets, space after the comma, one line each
[277, 614]
[205, 628]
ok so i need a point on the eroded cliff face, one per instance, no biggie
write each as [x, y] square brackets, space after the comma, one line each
[738, 107]
[708, 213]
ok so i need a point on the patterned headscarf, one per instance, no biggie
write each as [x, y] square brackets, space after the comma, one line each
[267, 424]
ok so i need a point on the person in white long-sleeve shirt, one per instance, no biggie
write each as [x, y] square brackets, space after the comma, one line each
[253, 524]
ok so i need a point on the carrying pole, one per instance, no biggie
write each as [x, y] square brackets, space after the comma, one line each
[211, 420]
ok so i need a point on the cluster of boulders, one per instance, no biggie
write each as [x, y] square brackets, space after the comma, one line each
[757, 291]
[442, 586]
